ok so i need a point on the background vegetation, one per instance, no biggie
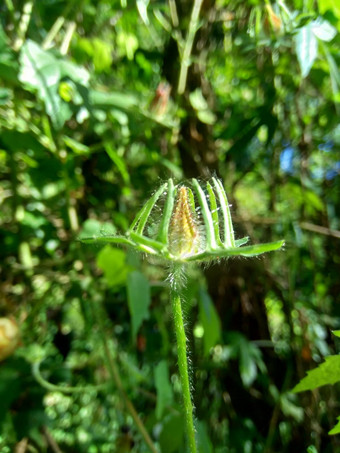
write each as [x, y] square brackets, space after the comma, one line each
[100, 101]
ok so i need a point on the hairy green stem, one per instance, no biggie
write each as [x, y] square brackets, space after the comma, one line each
[183, 364]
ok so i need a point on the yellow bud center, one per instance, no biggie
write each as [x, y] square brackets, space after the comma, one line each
[183, 231]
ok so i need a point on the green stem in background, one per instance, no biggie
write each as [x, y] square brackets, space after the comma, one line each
[116, 379]
[62, 388]
[185, 57]
[182, 358]
[23, 25]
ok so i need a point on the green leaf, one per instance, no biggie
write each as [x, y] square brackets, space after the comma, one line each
[92, 227]
[172, 433]
[306, 46]
[118, 161]
[113, 263]
[210, 321]
[312, 449]
[197, 100]
[112, 99]
[77, 147]
[102, 55]
[204, 443]
[326, 373]
[139, 298]
[163, 387]
[248, 368]
[329, 5]
[323, 30]
[43, 71]
[206, 116]
[336, 429]
[336, 333]
[241, 241]
[142, 6]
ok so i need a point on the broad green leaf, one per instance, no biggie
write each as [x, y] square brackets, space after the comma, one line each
[336, 429]
[306, 46]
[163, 387]
[92, 227]
[139, 298]
[336, 333]
[326, 373]
[172, 433]
[323, 30]
[210, 321]
[43, 71]
[204, 443]
[112, 261]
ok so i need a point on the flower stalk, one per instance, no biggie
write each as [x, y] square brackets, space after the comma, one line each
[182, 360]
[195, 225]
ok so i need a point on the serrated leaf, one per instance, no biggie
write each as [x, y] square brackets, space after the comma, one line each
[306, 46]
[163, 387]
[210, 321]
[336, 429]
[323, 30]
[139, 298]
[326, 373]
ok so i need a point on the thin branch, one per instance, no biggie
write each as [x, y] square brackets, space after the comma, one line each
[67, 38]
[320, 229]
[50, 440]
[185, 57]
[23, 25]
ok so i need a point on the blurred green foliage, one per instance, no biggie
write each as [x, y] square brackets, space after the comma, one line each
[90, 123]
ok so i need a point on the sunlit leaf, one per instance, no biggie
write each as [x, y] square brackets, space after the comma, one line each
[306, 46]
[336, 429]
[112, 261]
[326, 373]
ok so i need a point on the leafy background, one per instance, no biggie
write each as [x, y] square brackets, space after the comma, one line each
[88, 131]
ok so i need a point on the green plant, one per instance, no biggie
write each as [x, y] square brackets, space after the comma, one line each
[195, 225]
[327, 373]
